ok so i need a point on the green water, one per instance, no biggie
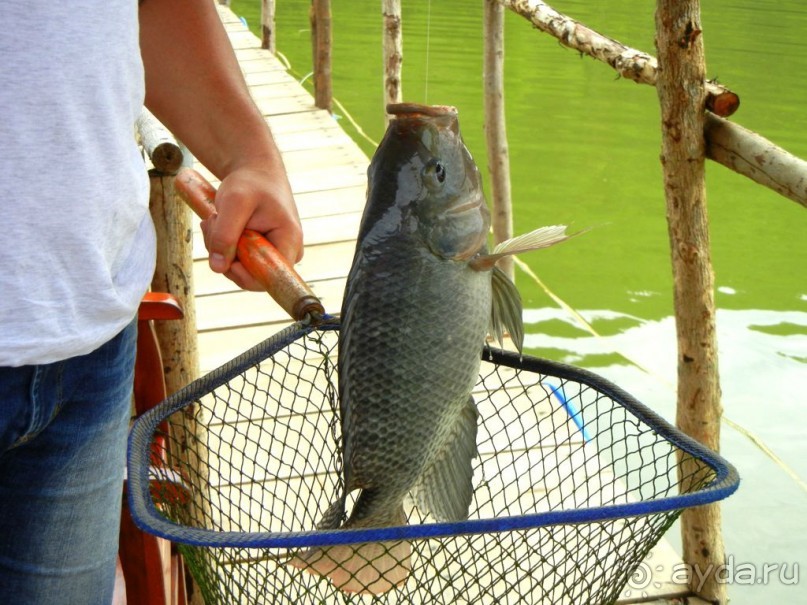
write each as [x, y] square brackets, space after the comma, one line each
[584, 146]
[584, 151]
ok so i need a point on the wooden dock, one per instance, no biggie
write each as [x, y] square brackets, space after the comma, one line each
[327, 171]
[328, 175]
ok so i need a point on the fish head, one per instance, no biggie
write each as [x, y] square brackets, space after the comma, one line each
[423, 184]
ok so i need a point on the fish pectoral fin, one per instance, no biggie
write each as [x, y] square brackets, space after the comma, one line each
[543, 237]
[505, 312]
[445, 488]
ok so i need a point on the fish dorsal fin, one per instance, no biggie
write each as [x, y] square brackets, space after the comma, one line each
[505, 314]
[445, 488]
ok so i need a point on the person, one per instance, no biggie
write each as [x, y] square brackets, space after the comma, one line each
[77, 254]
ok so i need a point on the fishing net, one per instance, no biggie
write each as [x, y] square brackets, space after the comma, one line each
[575, 482]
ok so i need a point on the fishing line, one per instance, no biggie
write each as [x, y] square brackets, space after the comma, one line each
[428, 45]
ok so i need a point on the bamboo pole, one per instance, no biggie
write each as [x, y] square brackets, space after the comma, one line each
[392, 50]
[495, 126]
[268, 32]
[682, 98]
[320, 16]
[772, 166]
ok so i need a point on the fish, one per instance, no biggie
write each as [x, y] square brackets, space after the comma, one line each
[421, 297]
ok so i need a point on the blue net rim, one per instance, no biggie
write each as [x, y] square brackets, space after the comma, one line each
[148, 518]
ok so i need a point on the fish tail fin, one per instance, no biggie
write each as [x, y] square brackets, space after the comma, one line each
[367, 568]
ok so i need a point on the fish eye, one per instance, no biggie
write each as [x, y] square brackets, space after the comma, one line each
[434, 173]
[440, 172]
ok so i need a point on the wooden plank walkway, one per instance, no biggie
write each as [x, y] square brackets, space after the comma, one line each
[327, 171]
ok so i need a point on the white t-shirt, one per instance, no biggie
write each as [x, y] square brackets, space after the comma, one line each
[76, 239]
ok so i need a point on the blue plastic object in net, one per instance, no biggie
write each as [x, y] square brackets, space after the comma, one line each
[574, 484]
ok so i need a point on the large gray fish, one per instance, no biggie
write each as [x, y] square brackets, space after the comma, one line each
[421, 296]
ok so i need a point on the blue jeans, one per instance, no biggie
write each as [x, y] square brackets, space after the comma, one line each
[62, 454]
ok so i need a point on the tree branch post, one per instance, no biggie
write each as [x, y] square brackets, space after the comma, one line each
[268, 31]
[320, 16]
[682, 96]
[752, 155]
[392, 49]
[173, 274]
[788, 176]
[495, 126]
[628, 62]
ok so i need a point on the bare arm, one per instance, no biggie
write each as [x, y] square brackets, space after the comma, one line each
[195, 87]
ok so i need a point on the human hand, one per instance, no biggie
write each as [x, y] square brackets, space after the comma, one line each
[258, 199]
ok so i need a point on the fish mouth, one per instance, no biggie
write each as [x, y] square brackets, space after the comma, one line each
[414, 110]
[468, 206]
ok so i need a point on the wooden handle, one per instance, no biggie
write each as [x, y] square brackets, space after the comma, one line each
[255, 252]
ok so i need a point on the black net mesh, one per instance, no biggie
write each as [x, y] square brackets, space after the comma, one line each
[261, 453]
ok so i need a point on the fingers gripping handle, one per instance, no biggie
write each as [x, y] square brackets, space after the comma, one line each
[278, 277]
[255, 252]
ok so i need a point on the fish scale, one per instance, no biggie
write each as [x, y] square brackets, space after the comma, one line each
[420, 361]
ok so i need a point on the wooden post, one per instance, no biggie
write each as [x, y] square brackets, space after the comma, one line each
[392, 52]
[177, 338]
[682, 97]
[173, 274]
[320, 16]
[174, 270]
[268, 32]
[495, 129]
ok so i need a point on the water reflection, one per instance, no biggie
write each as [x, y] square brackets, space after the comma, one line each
[745, 338]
